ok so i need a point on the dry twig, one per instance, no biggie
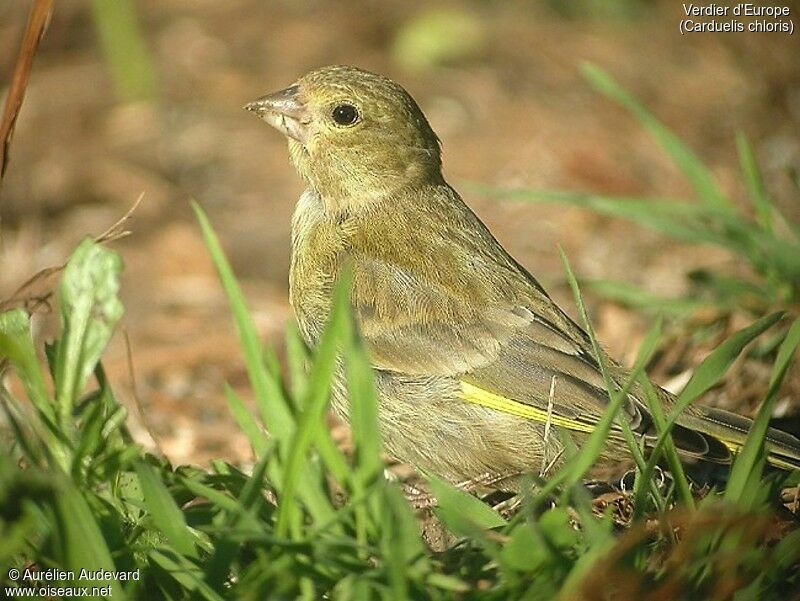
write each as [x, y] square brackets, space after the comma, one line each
[34, 295]
[38, 19]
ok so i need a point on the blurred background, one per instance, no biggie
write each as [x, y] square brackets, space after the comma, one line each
[145, 96]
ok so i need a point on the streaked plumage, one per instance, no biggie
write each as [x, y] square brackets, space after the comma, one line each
[464, 341]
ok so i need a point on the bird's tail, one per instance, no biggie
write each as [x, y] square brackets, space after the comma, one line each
[783, 449]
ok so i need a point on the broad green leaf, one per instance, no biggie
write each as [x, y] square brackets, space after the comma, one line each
[525, 551]
[460, 511]
[90, 310]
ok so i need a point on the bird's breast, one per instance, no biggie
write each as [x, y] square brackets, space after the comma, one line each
[317, 245]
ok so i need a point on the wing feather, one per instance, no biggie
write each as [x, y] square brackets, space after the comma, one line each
[467, 310]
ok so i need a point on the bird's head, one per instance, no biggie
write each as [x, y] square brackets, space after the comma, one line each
[354, 136]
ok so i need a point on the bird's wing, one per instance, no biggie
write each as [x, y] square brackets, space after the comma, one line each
[466, 310]
[527, 359]
[479, 317]
[504, 346]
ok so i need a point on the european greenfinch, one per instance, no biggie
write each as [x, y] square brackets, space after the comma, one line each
[472, 359]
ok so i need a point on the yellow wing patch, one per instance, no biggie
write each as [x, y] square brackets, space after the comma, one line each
[735, 447]
[479, 396]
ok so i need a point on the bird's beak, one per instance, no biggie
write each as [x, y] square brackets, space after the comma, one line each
[284, 111]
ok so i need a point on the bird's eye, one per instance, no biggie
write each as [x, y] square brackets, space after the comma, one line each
[345, 114]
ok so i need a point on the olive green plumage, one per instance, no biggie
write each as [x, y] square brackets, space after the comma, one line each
[465, 343]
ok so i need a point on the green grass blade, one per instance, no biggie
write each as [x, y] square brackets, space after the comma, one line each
[365, 429]
[749, 462]
[777, 259]
[222, 500]
[364, 410]
[713, 367]
[574, 468]
[309, 490]
[246, 421]
[312, 418]
[755, 185]
[124, 49]
[16, 344]
[691, 166]
[297, 358]
[165, 513]
[688, 221]
[275, 411]
[251, 492]
[401, 546]
[641, 299]
[616, 395]
[186, 574]
[663, 429]
[82, 542]
[332, 456]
